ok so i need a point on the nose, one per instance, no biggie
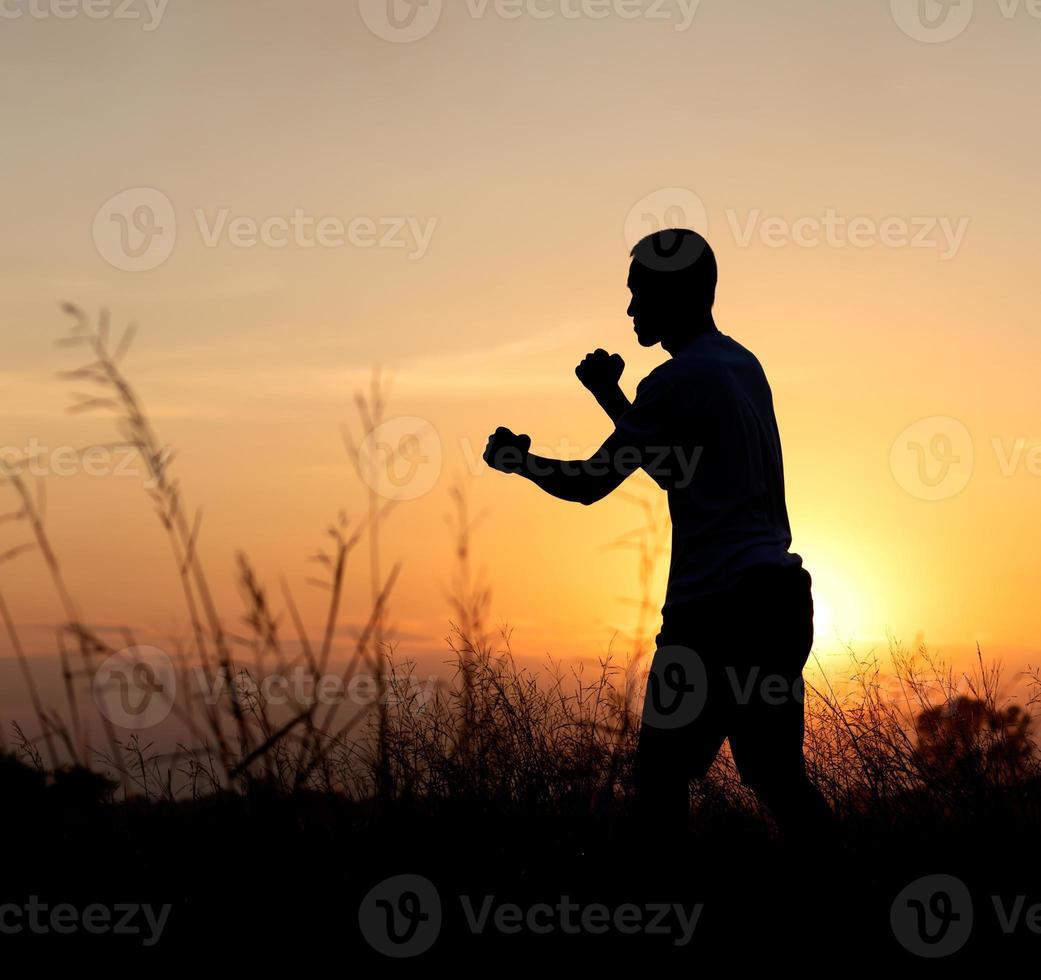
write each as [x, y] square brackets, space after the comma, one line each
[632, 307]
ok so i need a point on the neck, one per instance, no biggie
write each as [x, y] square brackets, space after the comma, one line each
[699, 327]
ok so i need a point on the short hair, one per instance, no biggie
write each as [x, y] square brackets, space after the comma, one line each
[680, 260]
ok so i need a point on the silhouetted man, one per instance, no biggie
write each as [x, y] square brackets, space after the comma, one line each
[738, 616]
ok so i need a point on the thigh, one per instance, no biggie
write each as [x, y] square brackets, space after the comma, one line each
[768, 726]
[686, 753]
[687, 712]
[766, 737]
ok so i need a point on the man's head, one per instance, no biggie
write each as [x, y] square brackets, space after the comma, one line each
[673, 281]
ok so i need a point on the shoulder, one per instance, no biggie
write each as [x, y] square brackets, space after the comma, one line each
[719, 357]
[738, 351]
[665, 378]
[659, 375]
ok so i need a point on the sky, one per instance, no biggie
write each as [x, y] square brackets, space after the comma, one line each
[283, 197]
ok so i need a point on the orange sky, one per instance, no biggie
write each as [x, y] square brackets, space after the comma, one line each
[871, 197]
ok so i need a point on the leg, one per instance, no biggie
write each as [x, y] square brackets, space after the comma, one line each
[684, 724]
[769, 726]
[769, 756]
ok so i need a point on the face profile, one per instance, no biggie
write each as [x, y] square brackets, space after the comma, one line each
[672, 280]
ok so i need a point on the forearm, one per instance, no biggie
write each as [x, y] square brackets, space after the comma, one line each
[613, 402]
[578, 481]
[582, 481]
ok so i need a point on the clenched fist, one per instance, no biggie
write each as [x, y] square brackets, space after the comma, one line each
[600, 371]
[506, 451]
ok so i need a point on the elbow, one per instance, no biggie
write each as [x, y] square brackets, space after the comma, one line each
[590, 496]
[593, 489]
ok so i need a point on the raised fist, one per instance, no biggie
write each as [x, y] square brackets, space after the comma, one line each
[506, 451]
[600, 371]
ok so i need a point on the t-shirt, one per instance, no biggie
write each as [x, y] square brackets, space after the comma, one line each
[704, 425]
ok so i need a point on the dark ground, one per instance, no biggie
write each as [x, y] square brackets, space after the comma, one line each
[262, 878]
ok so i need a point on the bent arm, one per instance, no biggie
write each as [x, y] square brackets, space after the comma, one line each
[583, 481]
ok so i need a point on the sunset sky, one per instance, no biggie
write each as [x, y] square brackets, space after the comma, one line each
[872, 197]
